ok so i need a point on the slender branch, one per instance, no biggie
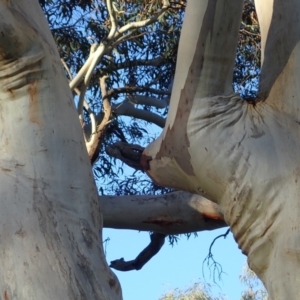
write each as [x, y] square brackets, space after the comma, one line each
[127, 109]
[133, 89]
[128, 37]
[144, 23]
[157, 240]
[66, 68]
[80, 75]
[92, 119]
[93, 144]
[93, 49]
[112, 18]
[85, 104]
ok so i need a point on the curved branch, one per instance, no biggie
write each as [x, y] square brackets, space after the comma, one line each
[93, 144]
[157, 240]
[127, 109]
[112, 18]
[144, 23]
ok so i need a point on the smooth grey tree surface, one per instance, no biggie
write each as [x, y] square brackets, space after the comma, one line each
[243, 156]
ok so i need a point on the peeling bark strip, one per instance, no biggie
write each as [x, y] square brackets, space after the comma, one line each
[176, 143]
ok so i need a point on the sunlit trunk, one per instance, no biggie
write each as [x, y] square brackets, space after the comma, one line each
[244, 156]
[49, 217]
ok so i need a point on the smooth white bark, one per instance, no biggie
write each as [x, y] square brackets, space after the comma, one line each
[173, 213]
[243, 156]
[128, 109]
[49, 217]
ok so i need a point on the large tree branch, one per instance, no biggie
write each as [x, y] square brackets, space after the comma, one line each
[174, 213]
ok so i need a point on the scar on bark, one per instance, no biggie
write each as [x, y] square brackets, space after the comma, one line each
[157, 240]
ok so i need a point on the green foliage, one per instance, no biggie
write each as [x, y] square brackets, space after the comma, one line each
[254, 287]
[143, 63]
[197, 292]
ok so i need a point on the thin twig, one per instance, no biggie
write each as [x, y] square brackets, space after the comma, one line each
[67, 68]
[217, 268]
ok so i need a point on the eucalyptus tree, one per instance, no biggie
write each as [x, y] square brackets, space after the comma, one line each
[51, 217]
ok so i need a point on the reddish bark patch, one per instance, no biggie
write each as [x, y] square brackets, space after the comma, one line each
[6, 295]
[145, 159]
[33, 104]
[212, 216]
[176, 143]
[111, 282]
[164, 223]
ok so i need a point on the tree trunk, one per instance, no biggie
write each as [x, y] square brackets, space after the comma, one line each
[244, 156]
[50, 218]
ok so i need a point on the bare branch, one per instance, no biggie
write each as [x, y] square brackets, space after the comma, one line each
[85, 104]
[173, 213]
[211, 263]
[80, 75]
[66, 67]
[133, 89]
[127, 37]
[127, 109]
[144, 23]
[157, 240]
[93, 144]
[112, 18]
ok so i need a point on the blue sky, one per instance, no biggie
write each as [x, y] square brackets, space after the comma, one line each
[175, 267]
